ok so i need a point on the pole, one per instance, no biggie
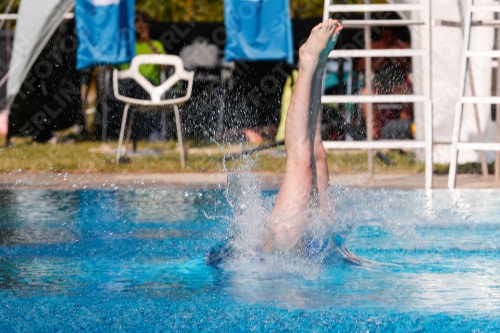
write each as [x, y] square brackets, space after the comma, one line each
[497, 111]
[428, 119]
[482, 156]
[105, 108]
[369, 90]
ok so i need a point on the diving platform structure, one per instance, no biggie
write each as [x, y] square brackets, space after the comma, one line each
[420, 26]
[465, 75]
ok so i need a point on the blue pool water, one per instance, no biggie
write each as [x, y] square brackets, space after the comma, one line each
[133, 260]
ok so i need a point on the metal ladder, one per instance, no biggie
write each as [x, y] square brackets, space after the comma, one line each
[424, 22]
[456, 145]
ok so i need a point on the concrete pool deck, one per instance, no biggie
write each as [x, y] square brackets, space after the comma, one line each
[269, 180]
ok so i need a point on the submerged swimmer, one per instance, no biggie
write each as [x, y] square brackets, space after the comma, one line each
[306, 171]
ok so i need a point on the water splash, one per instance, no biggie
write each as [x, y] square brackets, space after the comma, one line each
[347, 218]
[322, 242]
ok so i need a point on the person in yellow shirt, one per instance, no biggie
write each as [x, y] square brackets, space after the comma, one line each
[145, 45]
[146, 125]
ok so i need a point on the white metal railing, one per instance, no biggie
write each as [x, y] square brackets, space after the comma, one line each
[483, 54]
[376, 53]
[385, 23]
[484, 8]
[66, 16]
[480, 100]
[424, 23]
[330, 99]
[377, 144]
[374, 8]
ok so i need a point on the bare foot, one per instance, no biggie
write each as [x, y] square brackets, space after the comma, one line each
[320, 43]
[253, 137]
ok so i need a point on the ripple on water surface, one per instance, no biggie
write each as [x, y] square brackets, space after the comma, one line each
[109, 260]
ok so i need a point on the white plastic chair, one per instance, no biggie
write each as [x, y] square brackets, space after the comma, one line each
[154, 92]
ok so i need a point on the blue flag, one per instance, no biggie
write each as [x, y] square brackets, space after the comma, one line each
[106, 32]
[258, 30]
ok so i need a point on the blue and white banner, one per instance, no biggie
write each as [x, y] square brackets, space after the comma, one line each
[106, 32]
[258, 30]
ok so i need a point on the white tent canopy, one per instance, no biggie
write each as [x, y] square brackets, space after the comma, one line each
[37, 21]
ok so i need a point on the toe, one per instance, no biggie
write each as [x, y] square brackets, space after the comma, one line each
[316, 28]
[338, 28]
[335, 24]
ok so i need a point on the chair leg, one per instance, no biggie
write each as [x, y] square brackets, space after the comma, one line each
[122, 131]
[179, 133]
[163, 124]
[129, 130]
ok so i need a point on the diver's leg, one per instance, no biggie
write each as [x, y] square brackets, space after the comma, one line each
[321, 161]
[322, 178]
[300, 181]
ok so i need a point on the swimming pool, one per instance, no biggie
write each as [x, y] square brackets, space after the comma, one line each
[132, 260]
